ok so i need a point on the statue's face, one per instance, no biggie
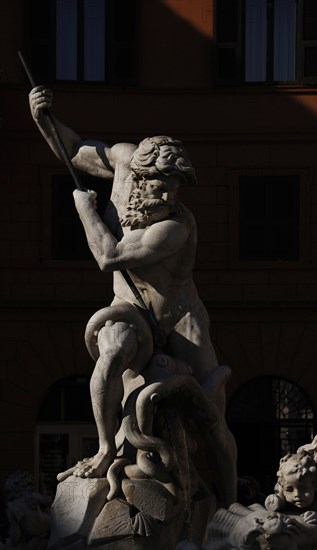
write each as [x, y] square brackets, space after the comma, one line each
[154, 200]
[153, 189]
[298, 492]
[164, 188]
[160, 196]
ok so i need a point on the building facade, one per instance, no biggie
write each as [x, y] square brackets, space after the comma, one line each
[235, 80]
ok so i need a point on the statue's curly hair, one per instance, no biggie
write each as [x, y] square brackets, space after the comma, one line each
[150, 159]
[300, 464]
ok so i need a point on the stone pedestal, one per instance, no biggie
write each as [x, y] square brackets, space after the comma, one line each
[78, 502]
[145, 516]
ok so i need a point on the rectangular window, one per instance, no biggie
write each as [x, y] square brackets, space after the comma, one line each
[39, 17]
[66, 39]
[94, 40]
[266, 41]
[82, 40]
[228, 36]
[309, 40]
[53, 450]
[269, 218]
[284, 40]
[255, 40]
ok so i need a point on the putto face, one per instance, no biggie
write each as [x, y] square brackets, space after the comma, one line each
[298, 492]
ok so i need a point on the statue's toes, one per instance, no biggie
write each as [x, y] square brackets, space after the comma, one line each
[90, 473]
[80, 471]
[64, 475]
[94, 472]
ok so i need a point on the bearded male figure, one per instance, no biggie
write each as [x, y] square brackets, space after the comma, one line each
[148, 232]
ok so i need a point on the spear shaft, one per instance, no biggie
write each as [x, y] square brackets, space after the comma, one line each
[61, 147]
[159, 338]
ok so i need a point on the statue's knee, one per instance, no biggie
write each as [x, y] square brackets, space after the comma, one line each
[117, 341]
[109, 356]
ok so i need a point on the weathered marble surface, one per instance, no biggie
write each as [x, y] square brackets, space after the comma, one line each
[156, 378]
[145, 515]
[289, 518]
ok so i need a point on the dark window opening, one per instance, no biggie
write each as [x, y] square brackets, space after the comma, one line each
[67, 401]
[269, 418]
[66, 430]
[269, 218]
[68, 241]
[82, 40]
[53, 450]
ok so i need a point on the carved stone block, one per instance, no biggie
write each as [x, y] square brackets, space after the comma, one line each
[77, 504]
[131, 543]
[113, 522]
[150, 498]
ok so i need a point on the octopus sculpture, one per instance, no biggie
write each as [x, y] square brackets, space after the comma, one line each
[158, 410]
[164, 412]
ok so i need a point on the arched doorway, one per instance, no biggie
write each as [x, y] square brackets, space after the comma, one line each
[66, 430]
[269, 417]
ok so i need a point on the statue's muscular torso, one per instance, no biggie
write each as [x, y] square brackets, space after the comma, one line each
[166, 284]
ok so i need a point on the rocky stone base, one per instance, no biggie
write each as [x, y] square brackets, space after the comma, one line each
[145, 516]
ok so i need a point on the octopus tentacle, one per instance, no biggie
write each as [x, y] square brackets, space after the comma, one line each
[180, 383]
[112, 476]
[157, 457]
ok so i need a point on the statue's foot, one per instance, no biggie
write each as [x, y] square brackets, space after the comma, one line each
[67, 473]
[97, 466]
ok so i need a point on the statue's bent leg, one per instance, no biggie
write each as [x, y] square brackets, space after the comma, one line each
[117, 344]
[110, 340]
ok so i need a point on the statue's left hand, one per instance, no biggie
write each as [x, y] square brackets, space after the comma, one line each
[84, 199]
[295, 526]
[310, 517]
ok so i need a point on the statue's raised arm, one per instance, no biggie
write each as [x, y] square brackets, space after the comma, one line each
[91, 156]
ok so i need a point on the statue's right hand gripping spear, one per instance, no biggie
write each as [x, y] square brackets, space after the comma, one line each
[53, 128]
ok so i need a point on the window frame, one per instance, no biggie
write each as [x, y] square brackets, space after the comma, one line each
[276, 426]
[239, 45]
[75, 432]
[240, 57]
[113, 77]
[300, 49]
[234, 226]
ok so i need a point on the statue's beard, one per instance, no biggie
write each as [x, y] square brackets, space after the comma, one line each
[144, 212]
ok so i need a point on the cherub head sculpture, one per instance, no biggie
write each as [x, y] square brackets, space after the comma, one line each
[296, 484]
